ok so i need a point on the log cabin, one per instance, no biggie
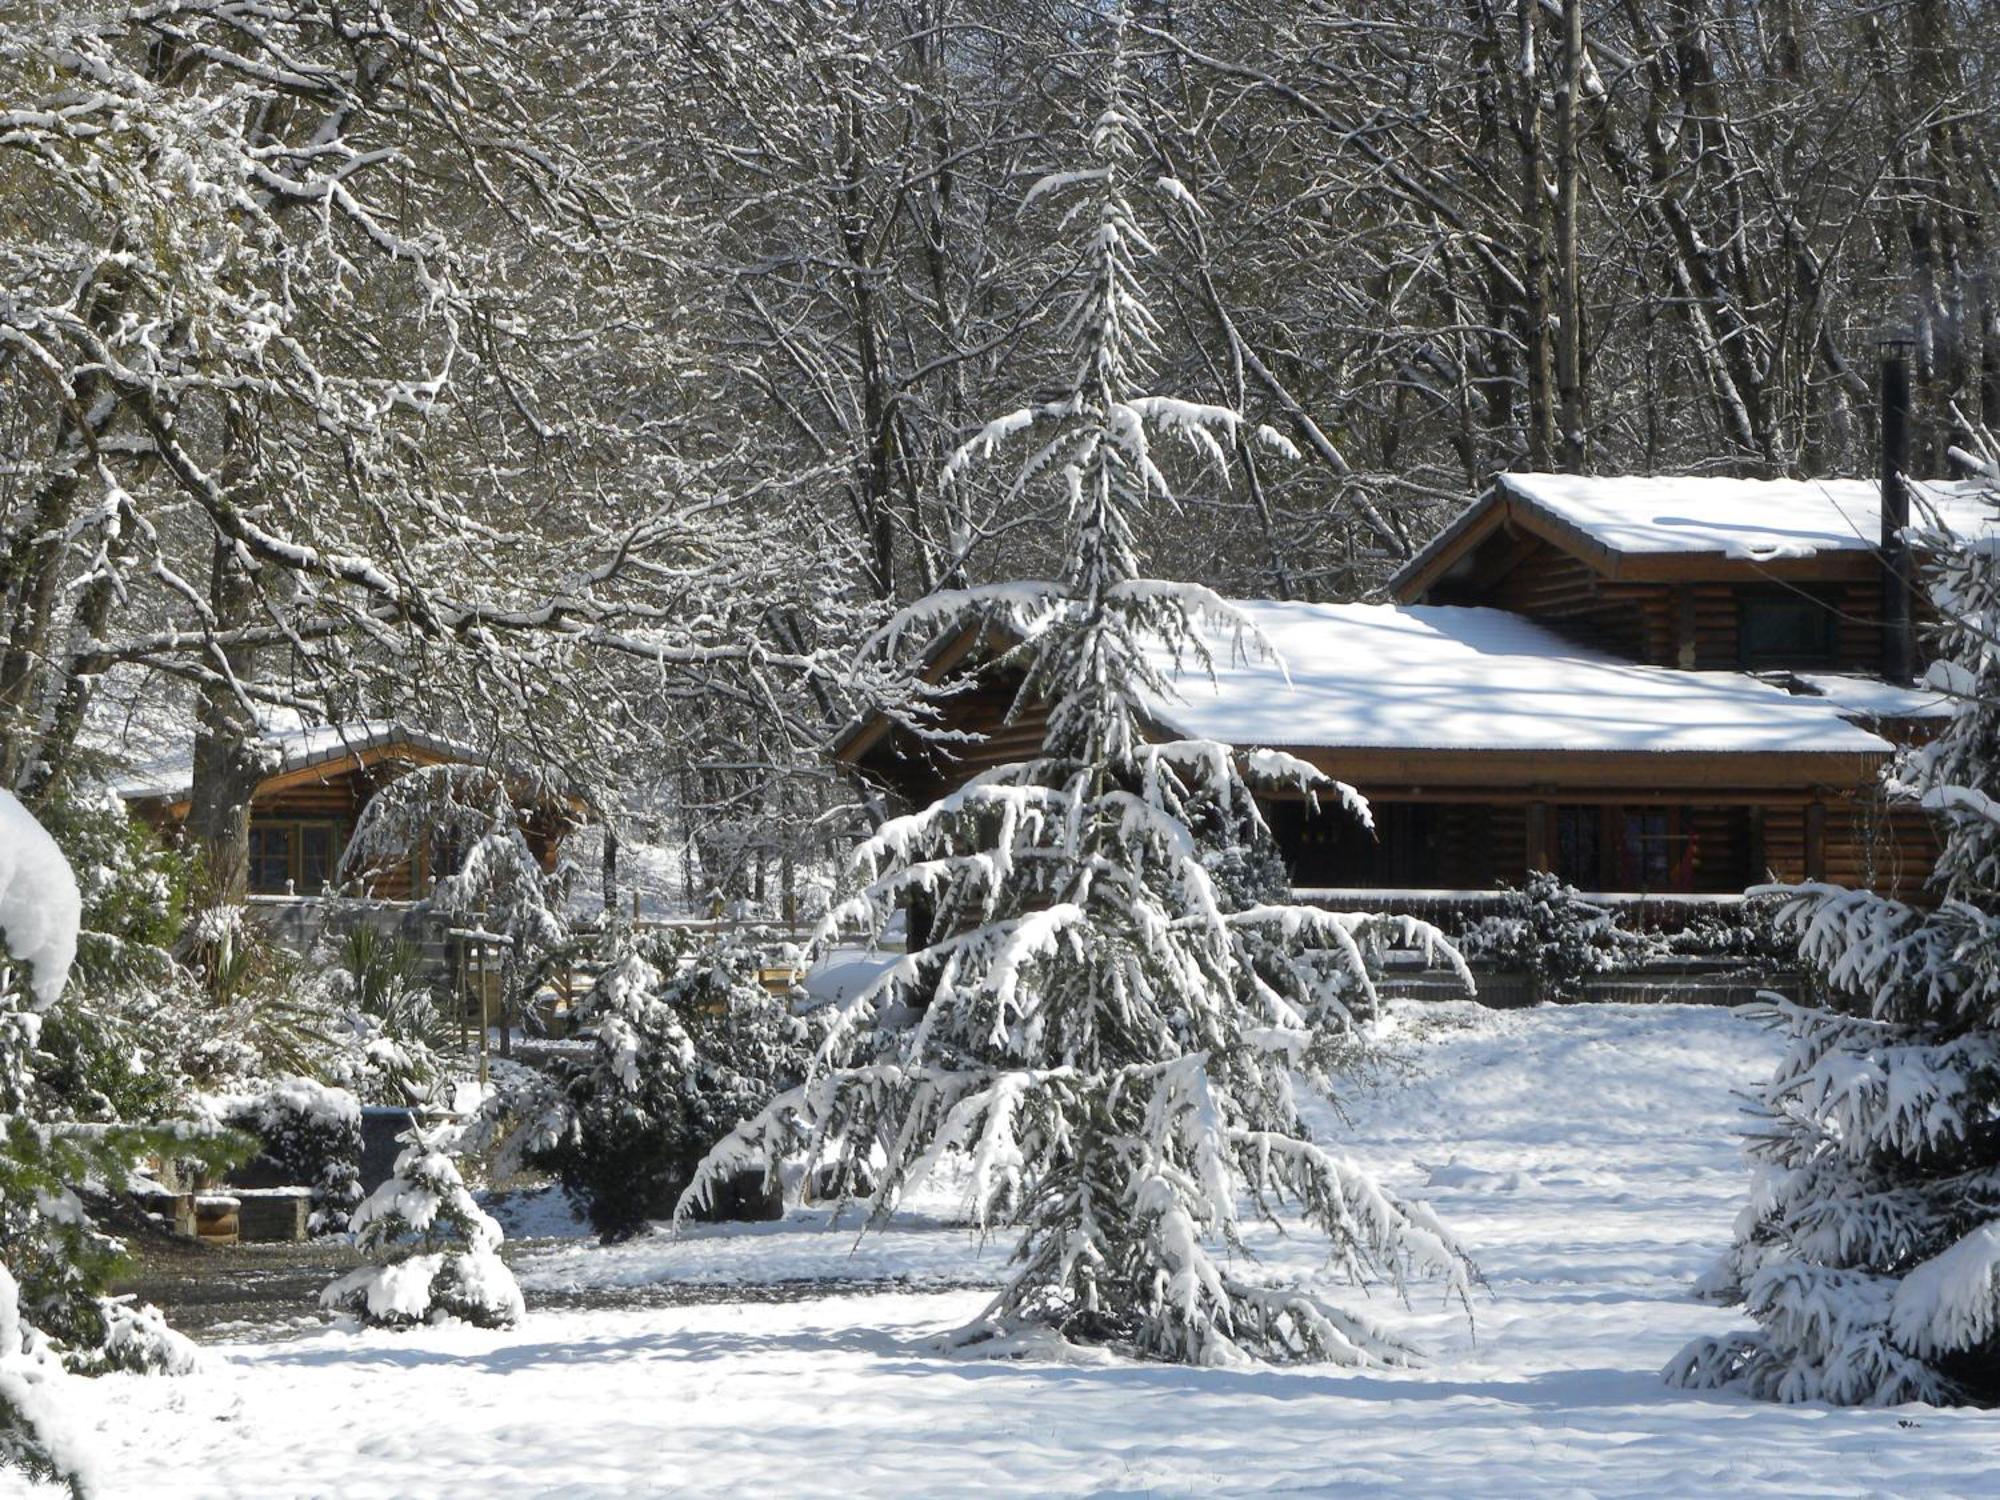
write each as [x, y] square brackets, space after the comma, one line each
[304, 812]
[1657, 688]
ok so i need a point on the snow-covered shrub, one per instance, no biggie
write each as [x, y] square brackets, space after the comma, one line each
[1546, 927]
[311, 1136]
[687, 1047]
[124, 1043]
[1745, 931]
[1869, 1252]
[266, 1011]
[35, 1436]
[390, 1039]
[436, 1251]
[55, 1265]
[1106, 1038]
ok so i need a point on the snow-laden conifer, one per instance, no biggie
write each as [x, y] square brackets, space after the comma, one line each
[56, 1317]
[688, 1045]
[437, 1252]
[1107, 1016]
[1869, 1253]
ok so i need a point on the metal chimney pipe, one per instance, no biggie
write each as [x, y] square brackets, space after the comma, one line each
[1899, 636]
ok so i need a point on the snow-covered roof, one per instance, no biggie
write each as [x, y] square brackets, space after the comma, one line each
[1444, 677]
[290, 747]
[1872, 698]
[1730, 520]
[1753, 519]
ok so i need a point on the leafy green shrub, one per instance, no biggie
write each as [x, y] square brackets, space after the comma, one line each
[391, 1041]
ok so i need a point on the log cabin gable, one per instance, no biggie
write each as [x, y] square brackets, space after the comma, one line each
[1693, 610]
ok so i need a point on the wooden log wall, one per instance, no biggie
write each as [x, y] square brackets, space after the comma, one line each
[1689, 625]
[1632, 620]
[920, 773]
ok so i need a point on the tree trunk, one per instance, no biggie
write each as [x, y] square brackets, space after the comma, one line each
[1571, 377]
[1534, 229]
[608, 868]
[227, 765]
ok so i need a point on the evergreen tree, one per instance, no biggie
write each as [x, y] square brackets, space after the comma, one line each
[1869, 1253]
[468, 814]
[686, 1050]
[55, 1265]
[436, 1251]
[1105, 1032]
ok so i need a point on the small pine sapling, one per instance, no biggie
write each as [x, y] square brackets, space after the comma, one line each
[1109, 1007]
[436, 1252]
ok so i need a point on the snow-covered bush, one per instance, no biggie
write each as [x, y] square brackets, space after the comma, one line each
[1106, 1038]
[127, 1042]
[311, 1136]
[265, 1010]
[1869, 1253]
[436, 1251]
[54, 1264]
[1546, 927]
[1746, 931]
[687, 1047]
[390, 1040]
[35, 1436]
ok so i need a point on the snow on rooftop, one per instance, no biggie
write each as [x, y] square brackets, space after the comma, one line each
[289, 745]
[1872, 698]
[1378, 676]
[1758, 520]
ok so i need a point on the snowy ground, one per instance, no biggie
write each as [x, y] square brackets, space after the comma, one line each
[1584, 1153]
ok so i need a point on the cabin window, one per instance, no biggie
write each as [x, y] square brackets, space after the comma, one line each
[270, 859]
[1414, 846]
[1650, 850]
[1607, 847]
[1579, 849]
[316, 855]
[1782, 627]
[288, 857]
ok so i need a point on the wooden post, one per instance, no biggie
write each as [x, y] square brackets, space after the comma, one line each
[1685, 645]
[484, 1042]
[1538, 836]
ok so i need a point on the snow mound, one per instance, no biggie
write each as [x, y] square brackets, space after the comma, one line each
[1471, 1179]
[40, 909]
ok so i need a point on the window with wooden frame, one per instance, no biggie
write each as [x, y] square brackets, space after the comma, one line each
[293, 856]
[1777, 626]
